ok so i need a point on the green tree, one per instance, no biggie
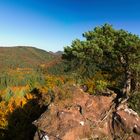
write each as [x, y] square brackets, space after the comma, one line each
[116, 52]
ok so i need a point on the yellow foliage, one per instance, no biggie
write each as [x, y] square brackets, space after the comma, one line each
[29, 96]
[21, 96]
[3, 115]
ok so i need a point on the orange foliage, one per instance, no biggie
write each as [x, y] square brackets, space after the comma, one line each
[22, 95]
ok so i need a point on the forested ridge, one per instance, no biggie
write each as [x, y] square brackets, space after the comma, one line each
[23, 57]
[107, 59]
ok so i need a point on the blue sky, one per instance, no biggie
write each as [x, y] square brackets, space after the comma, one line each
[53, 24]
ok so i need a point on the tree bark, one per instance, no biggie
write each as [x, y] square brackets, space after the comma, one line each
[135, 82]
[127, 83]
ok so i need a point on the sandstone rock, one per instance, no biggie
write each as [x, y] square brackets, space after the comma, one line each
[86, 116]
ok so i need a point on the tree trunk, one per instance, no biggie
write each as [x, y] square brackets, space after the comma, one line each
[127, 83]
[135, 82]
[137, 85]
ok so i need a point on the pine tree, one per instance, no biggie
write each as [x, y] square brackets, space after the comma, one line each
[116, 52]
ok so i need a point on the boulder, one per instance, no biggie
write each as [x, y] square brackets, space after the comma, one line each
[84, 116]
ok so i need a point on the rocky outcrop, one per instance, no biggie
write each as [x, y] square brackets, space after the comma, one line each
[83, 116]
[126, 124]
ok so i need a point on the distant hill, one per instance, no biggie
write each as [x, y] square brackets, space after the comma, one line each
[58, 53]
[23, 57]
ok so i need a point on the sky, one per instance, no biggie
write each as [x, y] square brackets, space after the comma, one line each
[54, 24]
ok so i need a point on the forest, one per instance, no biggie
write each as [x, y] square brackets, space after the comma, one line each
[106, 58]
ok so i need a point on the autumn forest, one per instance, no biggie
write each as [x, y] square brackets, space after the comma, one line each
[31, 78]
